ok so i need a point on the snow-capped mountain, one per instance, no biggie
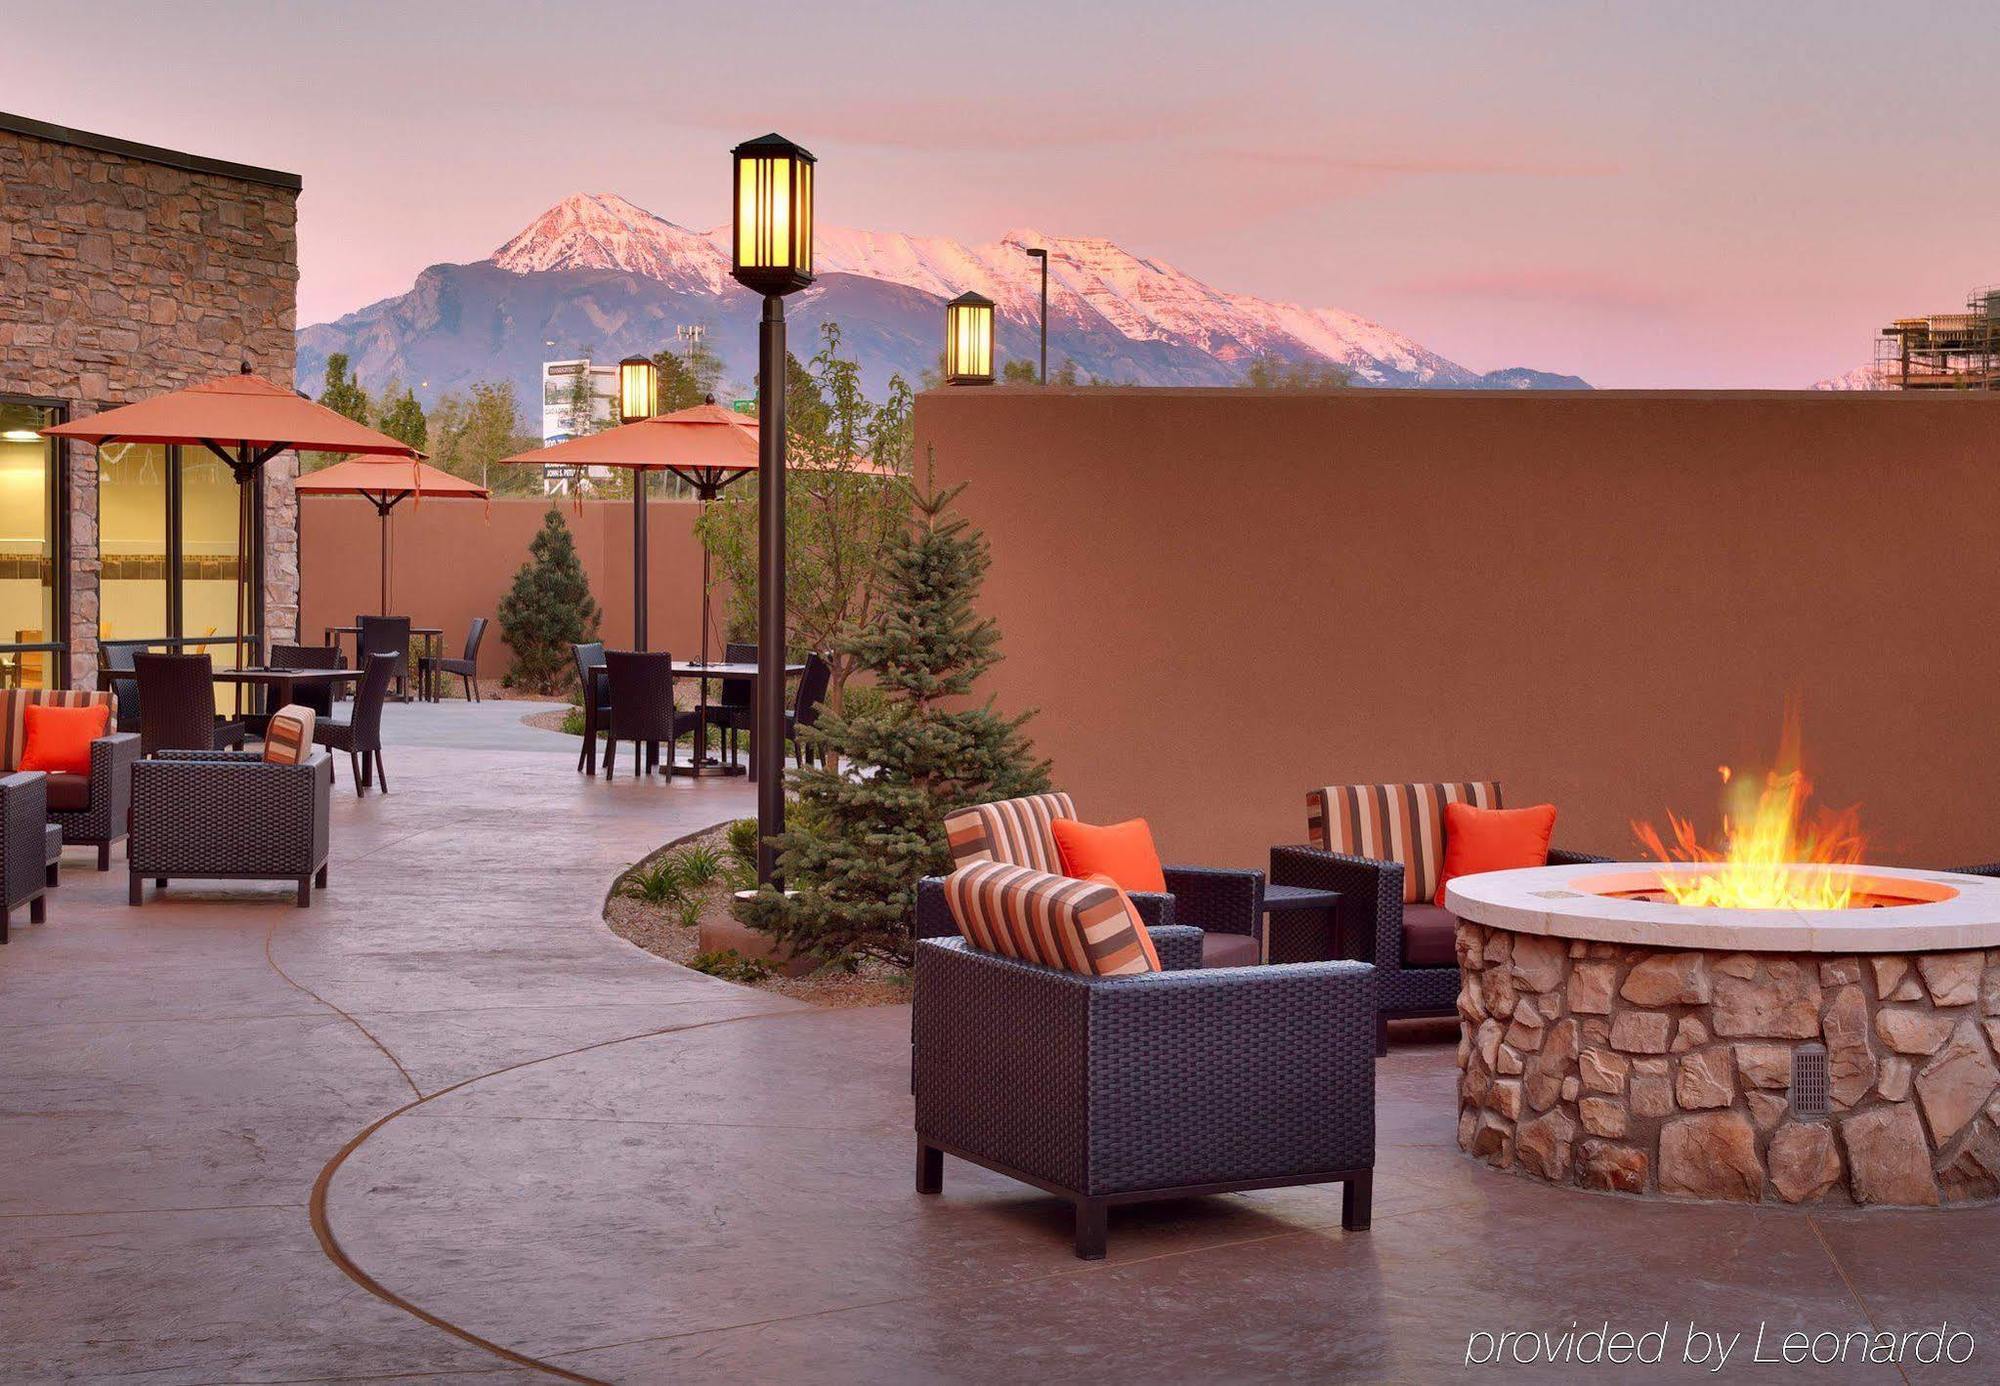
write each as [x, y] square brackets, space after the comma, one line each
[598, 273]
[1860, 378]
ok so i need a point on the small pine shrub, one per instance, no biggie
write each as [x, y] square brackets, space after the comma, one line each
[731, 966]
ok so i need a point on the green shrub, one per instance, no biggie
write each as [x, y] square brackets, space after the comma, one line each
[657, 883]
[700, 865]
[731, 966]
[548, 609]
[743, 840]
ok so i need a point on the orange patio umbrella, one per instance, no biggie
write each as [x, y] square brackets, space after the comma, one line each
[245, 421]
[385, 484]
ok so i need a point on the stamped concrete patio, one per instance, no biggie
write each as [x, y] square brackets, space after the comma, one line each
[444, 1124]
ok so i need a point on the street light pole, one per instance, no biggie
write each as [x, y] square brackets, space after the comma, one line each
[768, 717]
[773, 193]
[1043, 256]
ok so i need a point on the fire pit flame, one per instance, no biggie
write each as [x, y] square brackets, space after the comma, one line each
[1771, 857]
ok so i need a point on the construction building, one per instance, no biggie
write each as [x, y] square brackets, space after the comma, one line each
[1943, 351]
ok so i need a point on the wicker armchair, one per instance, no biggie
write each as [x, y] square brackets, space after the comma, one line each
[431, 667]
[230, 815]
[89, 809]
[25, 873]
[1105, 1090]
[1226, 905]
[177, 705]
[1410, 941]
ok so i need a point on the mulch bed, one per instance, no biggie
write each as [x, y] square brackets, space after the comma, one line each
[660, 931]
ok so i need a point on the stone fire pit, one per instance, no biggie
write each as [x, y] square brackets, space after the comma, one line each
[1619, 1043]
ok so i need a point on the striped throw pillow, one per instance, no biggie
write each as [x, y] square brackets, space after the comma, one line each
[1393, 822]
[14, 715]
[1013, 830]
[1086, 927]
[289, 737]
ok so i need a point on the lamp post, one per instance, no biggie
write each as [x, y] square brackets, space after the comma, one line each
[772, 245]
[1043, 256]
[968, 340]
[638, 398]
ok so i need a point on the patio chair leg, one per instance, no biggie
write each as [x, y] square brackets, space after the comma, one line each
[50, 877]
[1381, 1035]
[103, 856]
[38, 909]
[160, 881]
[305, 892]
[381, 770]
[138, 890]
[611, 758]
[1356, 1197]
[3, 924]
[320, 879]
[930, 1169]
[1090, 1228]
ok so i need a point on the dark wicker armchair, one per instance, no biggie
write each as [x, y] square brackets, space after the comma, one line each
[89, 809]
[230, 815]
[360, 734]
[24, 870]
[1226, 905]
[433, 669]
[1106, 1090]
[177, 705]
[639, 685]
[1386, 912]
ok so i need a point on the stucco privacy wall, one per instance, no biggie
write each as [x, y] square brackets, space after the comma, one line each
[126, 271]
[453, 560]
[1219, 599]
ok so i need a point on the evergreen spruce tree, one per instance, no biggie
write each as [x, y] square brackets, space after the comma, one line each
[548, 608]
[864, 833]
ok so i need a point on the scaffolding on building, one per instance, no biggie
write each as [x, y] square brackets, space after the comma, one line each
[1943, 351]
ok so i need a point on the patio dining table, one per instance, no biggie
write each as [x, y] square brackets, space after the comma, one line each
[432, 637]
[685, 669]
[280, 683]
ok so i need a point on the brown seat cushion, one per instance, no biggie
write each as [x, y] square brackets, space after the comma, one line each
[69, 793]
[1228, 950]
[1430, 935]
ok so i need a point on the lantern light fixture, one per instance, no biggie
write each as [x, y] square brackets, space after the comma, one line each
[638, 389]
[968, 340]
[773, 197]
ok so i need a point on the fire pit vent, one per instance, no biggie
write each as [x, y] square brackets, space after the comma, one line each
[1809, 1082]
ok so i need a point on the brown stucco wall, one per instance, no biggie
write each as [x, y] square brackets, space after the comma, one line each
[1219, 599]
[453, 560]
[122, 276]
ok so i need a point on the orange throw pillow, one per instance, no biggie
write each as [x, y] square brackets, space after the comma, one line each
[1123, 852]
[58, 738]
[1483, 839]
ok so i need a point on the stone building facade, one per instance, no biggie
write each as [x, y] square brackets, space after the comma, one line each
[127, 270]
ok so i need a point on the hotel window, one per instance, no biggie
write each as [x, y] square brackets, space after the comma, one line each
[167, 521]
[33, 546]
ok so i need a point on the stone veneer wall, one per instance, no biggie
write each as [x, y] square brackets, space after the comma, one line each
[1643, 1071]
[120, 277]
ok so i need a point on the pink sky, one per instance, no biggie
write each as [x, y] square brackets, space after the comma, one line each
[1686, 195]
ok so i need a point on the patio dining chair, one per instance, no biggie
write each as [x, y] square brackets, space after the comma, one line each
[320, 698]
[114, 657]
[389, 635]
[360, 734]
[177, 705]
[640, 687]
[1387, 880]
[807, 702]
[431, 667]
[594, 695]
[736, 701]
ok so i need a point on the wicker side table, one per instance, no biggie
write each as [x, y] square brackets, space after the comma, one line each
[1301, 925]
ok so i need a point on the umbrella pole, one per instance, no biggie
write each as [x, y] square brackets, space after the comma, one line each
[638, 558]
[386, 541]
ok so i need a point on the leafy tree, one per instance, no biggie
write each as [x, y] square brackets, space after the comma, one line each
[687, 379]
[548, 609]
[341, 392]
[864, 840]
[1274, 373]
[1020, 372]
[403, 419]
[839, 513]
[468, 435]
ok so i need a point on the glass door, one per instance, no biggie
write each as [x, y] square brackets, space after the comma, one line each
[33, 586]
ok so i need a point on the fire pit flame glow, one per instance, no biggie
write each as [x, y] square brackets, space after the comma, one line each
[1772, 857]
